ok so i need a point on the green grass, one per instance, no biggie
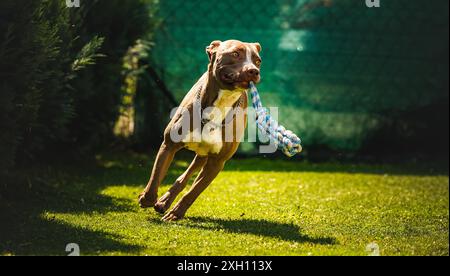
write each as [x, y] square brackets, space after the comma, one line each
[254, 207]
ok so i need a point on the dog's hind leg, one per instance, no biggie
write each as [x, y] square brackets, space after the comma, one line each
[162, 163]
[167, 199]
[209, 171]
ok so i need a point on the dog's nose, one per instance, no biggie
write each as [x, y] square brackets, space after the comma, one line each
[253, 72]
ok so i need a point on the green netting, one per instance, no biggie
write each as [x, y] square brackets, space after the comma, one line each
[340, 72]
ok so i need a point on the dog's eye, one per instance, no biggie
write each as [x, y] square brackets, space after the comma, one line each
[235, 54]
[258, 63]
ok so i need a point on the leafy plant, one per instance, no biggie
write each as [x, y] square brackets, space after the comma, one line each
[60, 75]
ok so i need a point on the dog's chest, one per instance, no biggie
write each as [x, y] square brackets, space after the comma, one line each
[222, 105]
[210, 139]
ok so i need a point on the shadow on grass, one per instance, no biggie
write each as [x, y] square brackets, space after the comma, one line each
[72, 190]
[25, 232]
[265, 228]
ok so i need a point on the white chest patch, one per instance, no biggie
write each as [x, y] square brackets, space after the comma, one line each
[222, 105]
[211, 138]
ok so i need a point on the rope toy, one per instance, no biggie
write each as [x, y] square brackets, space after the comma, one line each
[285, 140]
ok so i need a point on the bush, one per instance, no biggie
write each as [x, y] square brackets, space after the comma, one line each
[53, 99]
[35, 60]
[122, 23]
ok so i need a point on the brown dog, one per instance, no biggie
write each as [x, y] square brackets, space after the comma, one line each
[233, 64]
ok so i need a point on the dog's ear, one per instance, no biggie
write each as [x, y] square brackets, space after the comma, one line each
[257, 46]
[212, 48]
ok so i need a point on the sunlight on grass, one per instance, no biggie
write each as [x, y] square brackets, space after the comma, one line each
[279, 213]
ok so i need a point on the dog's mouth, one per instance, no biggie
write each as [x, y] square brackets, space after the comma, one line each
[242, 84]
[232, 80]
[228, 78]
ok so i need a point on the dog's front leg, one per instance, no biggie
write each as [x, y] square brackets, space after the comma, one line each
[166, 200]
[211, 169]
[163, 159]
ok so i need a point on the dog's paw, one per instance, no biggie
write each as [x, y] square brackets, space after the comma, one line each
[172, 216]
[163, 204]
[160, 207]
[146, 200]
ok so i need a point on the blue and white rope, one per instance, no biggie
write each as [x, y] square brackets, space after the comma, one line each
[285, 140]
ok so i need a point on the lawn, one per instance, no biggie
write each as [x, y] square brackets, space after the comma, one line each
[254, 207]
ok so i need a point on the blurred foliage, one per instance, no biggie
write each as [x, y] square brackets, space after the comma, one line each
[133, 71]
[38, 61]
[122, 24]
[346, 78]
[60, 74]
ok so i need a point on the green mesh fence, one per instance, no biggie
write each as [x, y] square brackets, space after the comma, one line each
[344, 76]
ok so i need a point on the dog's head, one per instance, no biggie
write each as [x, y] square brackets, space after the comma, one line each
[234, 64]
